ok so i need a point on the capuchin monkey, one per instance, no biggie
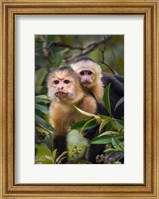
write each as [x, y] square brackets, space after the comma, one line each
[90, 75]
[65, 91]
[94, 81]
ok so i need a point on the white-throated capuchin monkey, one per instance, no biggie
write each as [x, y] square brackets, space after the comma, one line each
[94, 81]
[90, 76]
[65, 90]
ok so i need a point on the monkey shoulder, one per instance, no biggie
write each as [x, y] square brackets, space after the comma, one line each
[89, 104]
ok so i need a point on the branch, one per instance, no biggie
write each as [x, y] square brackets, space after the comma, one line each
[103, 61]
[86, 49]
[59, 44]
[110, 68]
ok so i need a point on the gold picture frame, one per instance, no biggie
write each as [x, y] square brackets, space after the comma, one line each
[12, 8]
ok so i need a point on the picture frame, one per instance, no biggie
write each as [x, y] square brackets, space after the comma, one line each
[10, 9]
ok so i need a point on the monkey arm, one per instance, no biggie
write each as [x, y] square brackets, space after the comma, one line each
[117, 83]
[120, 78]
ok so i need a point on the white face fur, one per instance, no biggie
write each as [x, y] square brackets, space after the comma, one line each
[88, 72]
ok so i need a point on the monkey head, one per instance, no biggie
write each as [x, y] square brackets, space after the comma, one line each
[63, 84]
[88, 71]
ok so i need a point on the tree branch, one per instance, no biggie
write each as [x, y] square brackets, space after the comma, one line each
[86, 49]
[103, 61]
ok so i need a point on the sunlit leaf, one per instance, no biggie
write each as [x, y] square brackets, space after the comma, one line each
[43, 154]
[87, 114]
[113, 150]
[103, 124]
[111, 133]
[41, 130]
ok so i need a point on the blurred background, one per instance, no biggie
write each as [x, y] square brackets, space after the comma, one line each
[53, 51]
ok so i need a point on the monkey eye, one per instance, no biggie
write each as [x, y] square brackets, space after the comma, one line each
[82, 73]
[89, 73]
[66, 81]
[56, 81]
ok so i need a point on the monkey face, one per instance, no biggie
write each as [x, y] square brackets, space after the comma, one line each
[86, 77]
[88, 71]
[62, 86]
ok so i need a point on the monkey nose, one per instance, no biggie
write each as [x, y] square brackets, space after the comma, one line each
[60, 88]
[86, 80]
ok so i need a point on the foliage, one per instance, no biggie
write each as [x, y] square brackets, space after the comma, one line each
[53, 51]
[111, 132]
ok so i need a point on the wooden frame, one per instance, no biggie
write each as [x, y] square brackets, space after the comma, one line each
[10, 9]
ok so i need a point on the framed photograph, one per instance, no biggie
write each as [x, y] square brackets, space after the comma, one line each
[79, 103]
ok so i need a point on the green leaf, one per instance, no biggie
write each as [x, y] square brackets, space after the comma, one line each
[119, 103]
[48, 141]
[104, 117]
[112, 150]
[51, 37]
[114, 125]
[103, 124]
[111, 133]
[42, 122]
[79, 125]
[105, 139]
[43, 154]
[120, 136]
[41, 130]
[54, 154]
[86, 113]
[89, 124]
[114, 143]
[41, 61]
[56, 60]
[61, 157]
[106, 99]
[109, 127]
[119, 124]
[41, 108]
[42, 99]
[40, 75]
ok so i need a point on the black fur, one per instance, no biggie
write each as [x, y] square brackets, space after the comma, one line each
[116, 93]
[60, 143]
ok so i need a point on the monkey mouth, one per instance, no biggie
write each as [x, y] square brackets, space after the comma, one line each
[86, 82]
[61, 94]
